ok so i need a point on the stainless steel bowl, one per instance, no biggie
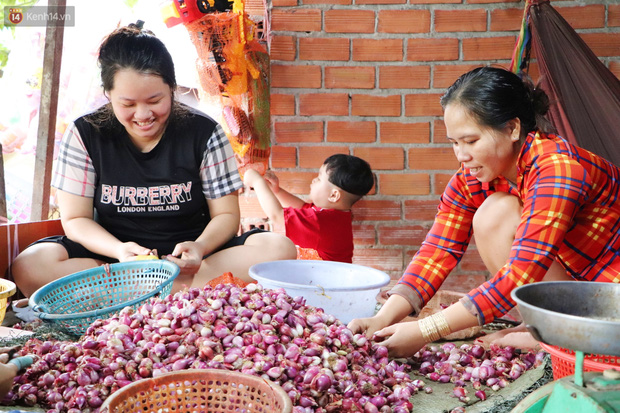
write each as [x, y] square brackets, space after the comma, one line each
[582, 316]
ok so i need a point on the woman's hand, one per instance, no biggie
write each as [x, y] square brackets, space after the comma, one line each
[7, 374]
[367, 326]
[188, 256]
[401, 339]
[128, 251]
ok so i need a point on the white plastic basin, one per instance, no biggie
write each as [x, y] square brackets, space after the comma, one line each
[346, 291]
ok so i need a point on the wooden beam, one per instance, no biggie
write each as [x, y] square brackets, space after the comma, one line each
[52, 57]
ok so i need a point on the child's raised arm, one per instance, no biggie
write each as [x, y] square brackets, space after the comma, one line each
[286, 198]
[266, 198]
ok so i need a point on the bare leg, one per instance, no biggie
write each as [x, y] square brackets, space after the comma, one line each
[495, 225]
[45, 262]
[258, 248]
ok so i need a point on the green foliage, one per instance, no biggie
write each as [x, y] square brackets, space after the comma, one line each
[4, 50]
[131, 3]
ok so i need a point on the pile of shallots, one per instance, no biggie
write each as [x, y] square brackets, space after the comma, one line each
[314, 357]
[472, 364]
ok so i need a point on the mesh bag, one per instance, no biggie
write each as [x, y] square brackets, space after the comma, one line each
[233, 68]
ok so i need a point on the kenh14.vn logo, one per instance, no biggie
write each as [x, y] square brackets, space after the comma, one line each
[16, 16]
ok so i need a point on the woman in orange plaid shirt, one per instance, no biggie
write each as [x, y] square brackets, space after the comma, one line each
[539, 207]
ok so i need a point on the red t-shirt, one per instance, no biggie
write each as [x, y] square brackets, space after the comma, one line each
[328, 231]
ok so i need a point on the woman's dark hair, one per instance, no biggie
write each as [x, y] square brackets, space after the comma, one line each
[138, 49]
[494, 96]
[350, 173]
[135, 48]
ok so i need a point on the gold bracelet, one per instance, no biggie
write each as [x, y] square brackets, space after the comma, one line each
[428, 330]
[439, 319]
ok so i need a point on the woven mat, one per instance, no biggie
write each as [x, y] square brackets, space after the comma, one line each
[502, 401]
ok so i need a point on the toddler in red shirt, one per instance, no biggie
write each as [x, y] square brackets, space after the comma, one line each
[325, 223]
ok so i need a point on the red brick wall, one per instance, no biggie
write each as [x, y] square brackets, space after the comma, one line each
[364, 77]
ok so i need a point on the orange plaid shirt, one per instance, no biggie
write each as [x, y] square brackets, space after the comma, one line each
[570, 212]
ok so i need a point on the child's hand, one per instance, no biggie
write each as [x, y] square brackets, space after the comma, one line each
[272, 181]
[250, 177]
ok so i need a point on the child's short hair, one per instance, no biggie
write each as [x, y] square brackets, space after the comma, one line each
[350, 173]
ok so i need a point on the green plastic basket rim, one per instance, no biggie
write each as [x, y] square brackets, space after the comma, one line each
[156, 264]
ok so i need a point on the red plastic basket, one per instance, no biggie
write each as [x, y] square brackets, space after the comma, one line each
[563, 361]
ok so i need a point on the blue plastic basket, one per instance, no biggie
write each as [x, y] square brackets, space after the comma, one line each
[72, 303]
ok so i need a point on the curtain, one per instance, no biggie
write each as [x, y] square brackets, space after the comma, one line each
[585, 95]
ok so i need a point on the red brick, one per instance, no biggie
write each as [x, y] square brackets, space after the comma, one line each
[420, 210]
[370, 105]
[423, 104]
[255, 8]
[506, 19]
[283, 156]
[402, 234]
[382, 259]
[488, 48]
[440, 181]
[584, 17]
[397, 132]
[364, 235]
[377, 50]
[429, 50]
[284, 3]
[382, 158]
[492, 1]
[347, 131]
[314, 156]
[603, 44]
[614, 67]
[404, 184]
[338, 2]
[360, 2]
[287, 132]
[325, 104]
[282, 105]
[445, 75]
[322, 48]
[297, 20]
[474, 20]
[613, 15]
[376, 210]
[297, 183]
[295, 76]
[432, 159]
[439, 132]
[435, 1]
[404, 21]
[349, 21]
[404, 77]
[249, 206]
[282, 48]
[349, 77]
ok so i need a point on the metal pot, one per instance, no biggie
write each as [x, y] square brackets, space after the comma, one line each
[583, 316]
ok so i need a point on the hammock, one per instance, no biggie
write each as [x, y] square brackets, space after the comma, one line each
[584, 94]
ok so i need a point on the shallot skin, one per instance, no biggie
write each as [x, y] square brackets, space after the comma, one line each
[320, 363]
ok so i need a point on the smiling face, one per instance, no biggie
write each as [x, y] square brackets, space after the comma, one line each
[487, 153]
[142, 104]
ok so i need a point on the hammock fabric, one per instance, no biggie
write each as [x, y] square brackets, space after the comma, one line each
[584, 93]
